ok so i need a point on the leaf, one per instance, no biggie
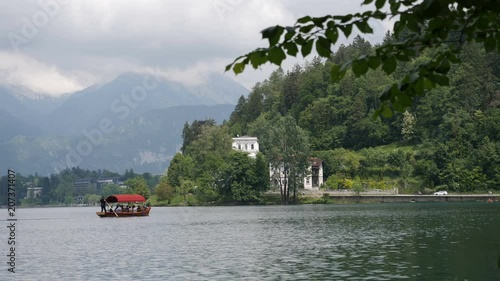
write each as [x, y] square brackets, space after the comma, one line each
[404, 100]
[257, 58]
[490, 44]
[336, 73]
[440, 79]
[444, 67]
[276, 55]
[359, 67]
[379, 4]
[306, 28]
[290, 32]
[395, 7]
[238, 67]
[307, 47]
[323, 47]
[304, 19]
[389, 65]
[300, 40]
[428, 85]
[366, 2]
[347, 29]
[398, 27]
[364, 27]
[374, 62]
[402, 57]
[419, 87]
[386, 111]
[273, 34]
[435, 23]
[291, 48]
[332, 35]
[319, 21]
[412, 24]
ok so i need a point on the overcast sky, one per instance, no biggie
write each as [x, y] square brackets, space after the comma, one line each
[59, 46]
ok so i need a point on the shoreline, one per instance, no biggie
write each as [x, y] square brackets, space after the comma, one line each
[328, 198]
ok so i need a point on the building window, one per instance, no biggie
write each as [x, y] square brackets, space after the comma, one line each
[252, 146]
[307, 180]
[239, 146]
[246, 147]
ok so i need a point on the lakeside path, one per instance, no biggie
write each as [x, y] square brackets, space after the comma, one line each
[400, 198]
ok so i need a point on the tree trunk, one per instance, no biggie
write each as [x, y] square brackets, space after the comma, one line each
[287, 193]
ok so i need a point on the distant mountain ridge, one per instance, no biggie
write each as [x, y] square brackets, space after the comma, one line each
[38, 133]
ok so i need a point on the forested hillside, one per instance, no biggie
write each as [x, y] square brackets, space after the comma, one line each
[449, 138]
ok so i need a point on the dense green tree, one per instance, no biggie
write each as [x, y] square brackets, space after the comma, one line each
[164, 191]
[240, 177]
[261, 174]
[191, 132]
[442, 25]
[181, 167]
[287, 147]
[111, 188]
[138, 185]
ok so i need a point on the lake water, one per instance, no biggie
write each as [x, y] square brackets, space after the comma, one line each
[413, 241]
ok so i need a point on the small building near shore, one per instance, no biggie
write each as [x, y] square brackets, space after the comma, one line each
[34, 192]
[312, 181]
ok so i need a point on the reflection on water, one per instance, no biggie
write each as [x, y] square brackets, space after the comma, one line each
[449, 241]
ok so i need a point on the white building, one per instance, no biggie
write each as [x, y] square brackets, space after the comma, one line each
[246, 144]
[315, 179]
[312, 181]
[34, 192]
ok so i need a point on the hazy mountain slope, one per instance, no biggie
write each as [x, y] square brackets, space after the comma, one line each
[129, 96]
[145, 143]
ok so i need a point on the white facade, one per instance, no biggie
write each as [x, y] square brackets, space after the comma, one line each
[314, 179]
[246, 144]
[34, 192]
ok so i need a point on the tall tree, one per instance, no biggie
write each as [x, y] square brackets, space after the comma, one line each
[287, 147]
[139, 185]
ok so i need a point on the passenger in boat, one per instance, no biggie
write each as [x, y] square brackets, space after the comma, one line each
[139, 208]
[103, 204]
[119, 208]
[125, 209]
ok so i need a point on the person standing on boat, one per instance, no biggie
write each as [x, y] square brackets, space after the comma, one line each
[103, 204]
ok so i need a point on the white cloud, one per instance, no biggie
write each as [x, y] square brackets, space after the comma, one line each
[92, 41]
[20, 70]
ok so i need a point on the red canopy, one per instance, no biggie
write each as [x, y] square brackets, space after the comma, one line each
[125, 198]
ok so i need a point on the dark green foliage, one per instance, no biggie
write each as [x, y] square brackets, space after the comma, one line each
[444, 26]
[191, 132]
[452, 129]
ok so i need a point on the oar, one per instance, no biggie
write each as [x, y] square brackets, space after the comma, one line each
[111, 208]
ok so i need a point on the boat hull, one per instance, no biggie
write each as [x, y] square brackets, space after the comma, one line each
[135, 213]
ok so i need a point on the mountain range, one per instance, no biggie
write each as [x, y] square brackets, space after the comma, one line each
[132, 122]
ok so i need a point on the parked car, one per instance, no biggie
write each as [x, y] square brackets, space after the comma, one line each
[441, 192]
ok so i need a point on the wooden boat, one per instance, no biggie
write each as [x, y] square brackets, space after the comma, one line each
[125, 198]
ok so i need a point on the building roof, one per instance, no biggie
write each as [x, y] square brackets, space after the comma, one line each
[316, 162]
[245, 138]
